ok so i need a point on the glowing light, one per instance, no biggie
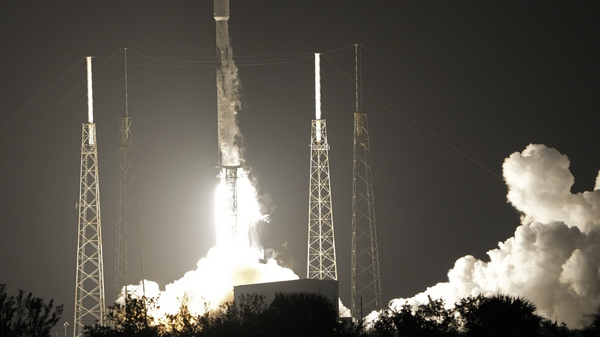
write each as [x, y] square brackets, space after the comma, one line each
[235, 230]
[318, 93]
[89, 90]
[235, 260]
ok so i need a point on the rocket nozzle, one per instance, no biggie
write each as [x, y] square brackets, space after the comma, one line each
[221, 8]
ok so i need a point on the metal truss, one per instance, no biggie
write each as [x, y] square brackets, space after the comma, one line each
[230, 173]
[129, 262]
[365, 282]
[89, 288]
[321, 243]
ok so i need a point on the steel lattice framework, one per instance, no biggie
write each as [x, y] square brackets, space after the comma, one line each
[321, 243]
[230, 174]
[129, 262]
[89, 288]
[365, 283]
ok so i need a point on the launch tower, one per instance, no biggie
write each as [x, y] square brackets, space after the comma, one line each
[129, 263]
[89, 287]
[365, 283]
[321, 243]
[230, 174]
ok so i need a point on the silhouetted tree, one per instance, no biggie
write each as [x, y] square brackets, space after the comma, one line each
[549, 328]
[592, 327]
[499, 315]
[26, 315]
[130, 318]
[426, 320]
[183, 323]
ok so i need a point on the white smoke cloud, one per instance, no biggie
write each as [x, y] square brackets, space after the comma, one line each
[211, 283]
[215, 276]
[553, 259]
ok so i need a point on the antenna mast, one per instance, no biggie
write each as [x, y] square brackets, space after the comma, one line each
[128, 274]
[89, 285]
[365, 282]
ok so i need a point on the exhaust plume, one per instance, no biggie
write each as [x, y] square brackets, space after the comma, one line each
[553, 259]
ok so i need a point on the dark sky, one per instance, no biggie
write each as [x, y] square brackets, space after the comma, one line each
[453, 80]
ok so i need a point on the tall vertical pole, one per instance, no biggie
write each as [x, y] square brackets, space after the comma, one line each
[89, 287]
[128, 274]
[321, 240]
[365, 282]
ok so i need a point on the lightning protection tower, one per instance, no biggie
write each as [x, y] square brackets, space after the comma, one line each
[365, 282]
[321, 243]
[129, 262]
[89, 287]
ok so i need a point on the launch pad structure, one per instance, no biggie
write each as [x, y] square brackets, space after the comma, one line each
[230, 175]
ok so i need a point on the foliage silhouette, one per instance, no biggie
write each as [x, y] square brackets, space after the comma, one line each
[306, 314]
[592, 328]
[130, 318]
[430, 319]
[26, 315]
[498, 315]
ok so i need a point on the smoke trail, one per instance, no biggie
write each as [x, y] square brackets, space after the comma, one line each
[228, 99]
[553, 259]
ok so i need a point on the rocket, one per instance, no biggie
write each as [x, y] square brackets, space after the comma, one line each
[221, 8]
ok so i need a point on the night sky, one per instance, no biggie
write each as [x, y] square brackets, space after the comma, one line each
[453, 88]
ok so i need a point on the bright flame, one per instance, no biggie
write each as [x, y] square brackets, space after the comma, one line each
[235, 260]
[248, 212]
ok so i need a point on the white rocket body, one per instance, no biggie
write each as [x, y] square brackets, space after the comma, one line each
[221, 8]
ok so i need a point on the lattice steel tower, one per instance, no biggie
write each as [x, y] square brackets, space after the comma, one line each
[365, 282]
[89, 287]
[129, 262]
[321, 243]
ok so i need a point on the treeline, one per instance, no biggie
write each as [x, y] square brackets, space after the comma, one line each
[297, 314]
[25, 315]
[304, 314]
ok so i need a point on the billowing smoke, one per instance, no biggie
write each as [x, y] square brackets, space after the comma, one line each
[553, 259]
[211, 284]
